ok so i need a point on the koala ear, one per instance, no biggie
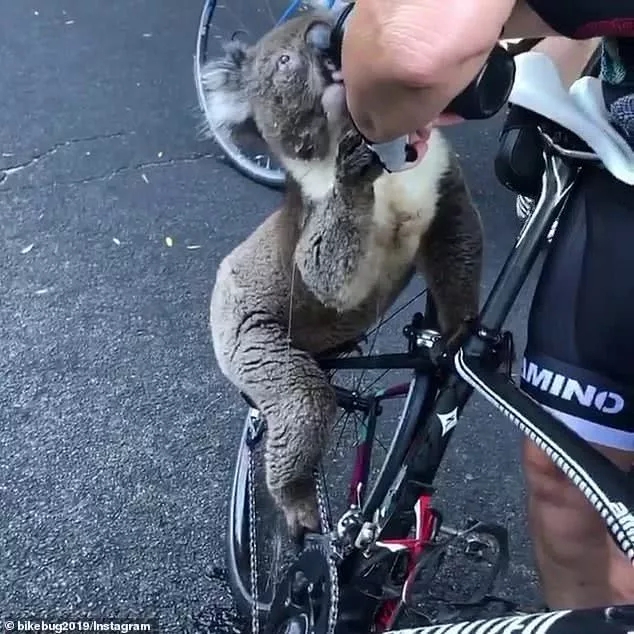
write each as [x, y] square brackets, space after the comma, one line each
[224, 87]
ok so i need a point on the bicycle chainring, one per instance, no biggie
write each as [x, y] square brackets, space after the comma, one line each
[303, 599]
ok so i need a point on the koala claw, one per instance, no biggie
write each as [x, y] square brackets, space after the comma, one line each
[356, 162]
[299, 504]
[301, 519]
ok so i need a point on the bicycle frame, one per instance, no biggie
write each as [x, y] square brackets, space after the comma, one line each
[474, 368]
[434, 404]
[435, 398]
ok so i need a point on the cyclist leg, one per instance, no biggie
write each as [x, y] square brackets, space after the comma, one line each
[577, 563]
[578, 365]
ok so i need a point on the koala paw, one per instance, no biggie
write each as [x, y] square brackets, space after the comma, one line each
[299, 505]
[455, 337]
[356, 162]
[302, 518]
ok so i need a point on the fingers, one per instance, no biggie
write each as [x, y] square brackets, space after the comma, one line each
[448, 119]
[419, 141]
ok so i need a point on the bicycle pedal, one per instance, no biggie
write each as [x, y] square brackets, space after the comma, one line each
[476, 549]
[479, 543]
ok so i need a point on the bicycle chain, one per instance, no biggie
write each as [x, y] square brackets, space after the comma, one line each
[255, 619]
[331, 554]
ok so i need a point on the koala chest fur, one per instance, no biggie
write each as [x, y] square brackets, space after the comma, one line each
[403, 206]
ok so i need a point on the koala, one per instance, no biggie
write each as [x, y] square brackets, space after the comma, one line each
[343, 244]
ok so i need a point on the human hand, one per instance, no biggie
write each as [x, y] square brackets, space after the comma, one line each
[419, 140]
[423, 54]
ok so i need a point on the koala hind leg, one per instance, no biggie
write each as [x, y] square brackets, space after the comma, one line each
[299, 407]
[450, 254]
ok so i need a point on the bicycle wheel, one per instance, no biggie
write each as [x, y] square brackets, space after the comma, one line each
[219, 21]
[369, 404]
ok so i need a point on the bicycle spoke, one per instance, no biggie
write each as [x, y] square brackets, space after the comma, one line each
[380, 443]
[363, 372]
[226, 8]
[371, 385]
[345, 417]
[399, 310]
[268, 6]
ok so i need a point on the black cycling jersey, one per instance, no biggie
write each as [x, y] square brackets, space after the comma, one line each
[613, 20]
[583, 19]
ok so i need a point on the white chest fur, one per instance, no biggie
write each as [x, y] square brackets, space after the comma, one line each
[405, 202]
[411, 194]
[404, 206]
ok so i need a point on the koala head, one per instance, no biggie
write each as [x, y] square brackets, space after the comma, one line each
[284, 85]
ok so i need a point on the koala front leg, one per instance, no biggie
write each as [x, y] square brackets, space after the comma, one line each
[450, 255]
[332, 253]
[299, 406]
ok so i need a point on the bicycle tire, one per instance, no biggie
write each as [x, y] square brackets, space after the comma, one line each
[415, 398]
[241, 595]
[239, 568]
[274, 179]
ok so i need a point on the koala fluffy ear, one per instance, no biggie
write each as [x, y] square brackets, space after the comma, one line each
[224, 87]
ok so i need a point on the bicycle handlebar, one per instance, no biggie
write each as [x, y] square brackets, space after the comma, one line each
[481, 99]
[605, 620]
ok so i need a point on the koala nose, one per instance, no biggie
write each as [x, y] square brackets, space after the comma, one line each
[318, 36]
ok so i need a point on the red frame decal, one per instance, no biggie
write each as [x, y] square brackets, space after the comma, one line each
[424, 531]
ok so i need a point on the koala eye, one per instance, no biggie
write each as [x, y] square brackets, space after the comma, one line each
[288, 63]
[283, 60]
[318, 36]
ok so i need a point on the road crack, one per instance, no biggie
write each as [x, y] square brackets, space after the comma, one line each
[36, 158]
[106, 176]
[138, 167]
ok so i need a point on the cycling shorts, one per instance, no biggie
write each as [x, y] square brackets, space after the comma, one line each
[579, 356]
[583, 19]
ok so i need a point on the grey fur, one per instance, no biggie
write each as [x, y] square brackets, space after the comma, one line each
[450, 256]
[329, 261]
[278, 84]
[336, 254]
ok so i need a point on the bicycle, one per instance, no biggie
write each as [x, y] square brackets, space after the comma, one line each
[361, 571]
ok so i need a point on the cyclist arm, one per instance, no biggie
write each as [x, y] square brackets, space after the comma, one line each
[403, 61]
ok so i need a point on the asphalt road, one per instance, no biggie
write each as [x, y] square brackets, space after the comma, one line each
[117, 432]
